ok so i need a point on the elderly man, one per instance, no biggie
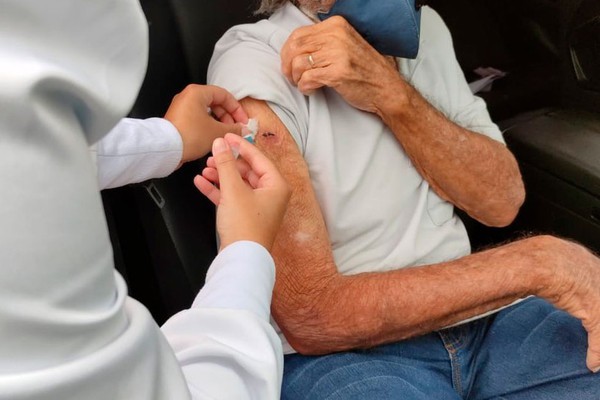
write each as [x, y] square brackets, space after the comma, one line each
[377, 294]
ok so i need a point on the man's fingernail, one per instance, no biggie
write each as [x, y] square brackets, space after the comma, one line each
[219, 145]
[596, 369]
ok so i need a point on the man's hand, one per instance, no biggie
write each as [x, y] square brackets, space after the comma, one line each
[189, 113]
[333, 54]
[252, 196]
[575, 287]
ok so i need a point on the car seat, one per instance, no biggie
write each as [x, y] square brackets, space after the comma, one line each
[547, 105]
[559, 148]
[520, 38]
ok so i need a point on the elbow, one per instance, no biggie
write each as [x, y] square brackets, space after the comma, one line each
[307, 331]
[332, 333]
[306, 345]
[501, 221]
[506, 211]
[506, 198]
[309, 321]
[317, 342]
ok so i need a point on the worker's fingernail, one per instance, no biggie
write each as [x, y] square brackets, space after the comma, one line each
[595, 370]
[219, 146]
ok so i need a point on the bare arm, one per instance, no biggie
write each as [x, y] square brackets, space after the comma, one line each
[477, 174]
[468, 169]
[322, 311]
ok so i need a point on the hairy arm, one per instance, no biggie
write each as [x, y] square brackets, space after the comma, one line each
[322, 311]
[477, 174]
[466, 168]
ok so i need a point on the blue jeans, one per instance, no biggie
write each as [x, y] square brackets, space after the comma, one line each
[530, 351]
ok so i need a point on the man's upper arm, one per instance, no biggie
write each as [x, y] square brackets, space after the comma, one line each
[301, 251]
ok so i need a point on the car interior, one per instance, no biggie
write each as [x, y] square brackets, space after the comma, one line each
[547, 104]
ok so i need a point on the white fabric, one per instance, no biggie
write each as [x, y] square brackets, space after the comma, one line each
[224, 343]
[69, 72]
[136, 150]
[380, 213]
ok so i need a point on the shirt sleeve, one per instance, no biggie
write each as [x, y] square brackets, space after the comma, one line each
[437, 75]
[256, 47]
[136, 150]
[224, 342]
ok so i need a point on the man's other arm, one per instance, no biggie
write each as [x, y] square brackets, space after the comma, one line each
[474, 172]
[477, 174]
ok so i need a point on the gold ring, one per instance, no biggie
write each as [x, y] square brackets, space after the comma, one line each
[311, 61]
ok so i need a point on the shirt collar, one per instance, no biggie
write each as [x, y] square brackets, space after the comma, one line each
[291, 17]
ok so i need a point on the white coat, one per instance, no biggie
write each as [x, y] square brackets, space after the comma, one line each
[69, 70]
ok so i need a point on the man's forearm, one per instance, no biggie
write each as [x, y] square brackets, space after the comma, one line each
[472, 171]
[370, 309]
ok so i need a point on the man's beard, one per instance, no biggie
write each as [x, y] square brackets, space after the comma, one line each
[315, 6]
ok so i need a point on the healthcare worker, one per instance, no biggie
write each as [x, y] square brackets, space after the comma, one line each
[69, 71]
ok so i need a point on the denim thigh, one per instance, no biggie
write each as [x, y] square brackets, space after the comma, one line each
[530, 351]
[414, 369]
[533, 351]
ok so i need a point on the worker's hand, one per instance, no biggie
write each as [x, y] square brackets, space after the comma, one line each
[190, 110]
[575, 287]
[333, 54]
[250, 193]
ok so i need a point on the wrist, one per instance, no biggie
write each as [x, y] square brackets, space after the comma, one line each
[170, 131]
[394, 101]
[548, 280]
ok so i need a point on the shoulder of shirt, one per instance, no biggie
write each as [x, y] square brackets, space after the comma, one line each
[260, 32]
[435, 35]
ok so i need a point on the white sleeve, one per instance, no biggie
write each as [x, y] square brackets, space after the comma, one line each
[224, 342]
[136, 150]
[69, 70]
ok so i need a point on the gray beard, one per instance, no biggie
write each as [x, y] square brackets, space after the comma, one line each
[312, 7]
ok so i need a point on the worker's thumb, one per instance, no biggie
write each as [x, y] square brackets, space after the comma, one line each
[229, 177]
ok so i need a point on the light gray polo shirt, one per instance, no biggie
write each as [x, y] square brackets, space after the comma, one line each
[380, 213]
